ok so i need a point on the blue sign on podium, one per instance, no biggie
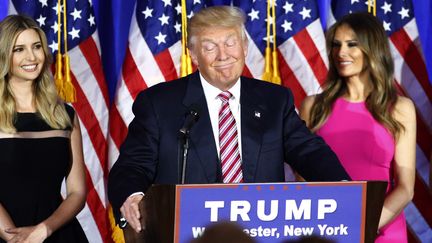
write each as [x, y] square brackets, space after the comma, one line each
[274, 212]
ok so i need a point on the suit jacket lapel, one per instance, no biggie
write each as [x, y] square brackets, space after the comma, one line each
[251, 112]
[201, 135]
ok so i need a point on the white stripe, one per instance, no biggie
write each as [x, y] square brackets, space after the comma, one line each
[89, 225]
[89, 85]
[406, 78]
[254, 59]
[300, 67]
[113, 152]
[11, 9]
[95, 37]
[93, 164]
[175, 53]
[143, 57]
[417, 223]
[123, 101]
[316, 33]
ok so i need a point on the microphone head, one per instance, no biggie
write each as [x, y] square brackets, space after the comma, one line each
[191, 117]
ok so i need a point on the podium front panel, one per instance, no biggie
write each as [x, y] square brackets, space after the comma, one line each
[274, 212]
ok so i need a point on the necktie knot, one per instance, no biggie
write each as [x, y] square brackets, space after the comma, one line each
[225, 96]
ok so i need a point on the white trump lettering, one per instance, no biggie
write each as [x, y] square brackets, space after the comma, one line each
[240, 208]
[273, 210]
[326, 206]
[302, 212]
[214, 209]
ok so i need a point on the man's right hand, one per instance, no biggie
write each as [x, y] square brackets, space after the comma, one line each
[130, 211]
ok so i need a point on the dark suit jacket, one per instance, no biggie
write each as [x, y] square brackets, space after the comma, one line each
[149, 154]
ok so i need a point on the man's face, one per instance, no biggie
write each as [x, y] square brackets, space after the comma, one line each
[219, 54]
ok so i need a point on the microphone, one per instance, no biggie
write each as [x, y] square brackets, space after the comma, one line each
[190, 120]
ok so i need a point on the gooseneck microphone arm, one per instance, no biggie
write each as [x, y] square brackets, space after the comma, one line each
[191, 119]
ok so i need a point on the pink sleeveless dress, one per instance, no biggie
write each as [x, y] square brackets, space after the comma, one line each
[365, 149]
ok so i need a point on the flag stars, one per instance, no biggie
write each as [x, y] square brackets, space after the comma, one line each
[91, 20]
[354, 1]
[41, 20]
[55, 27]
[253, 14]
[178, 9]
[177, 27]
[305, 13]
[288, 7]
[166, 3]
[160, 38]
[74, 33]
[56, 8]
[76, 14]
[287, 26]
[386, 26]
[197, 2]
[147, 12]
[271, 19]
[404, 13]
[53, 46]
[367, 2]
[164, 19]
[190, 15]
[386, 7]
[43, 3]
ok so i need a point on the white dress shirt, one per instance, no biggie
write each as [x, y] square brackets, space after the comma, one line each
[214, 105]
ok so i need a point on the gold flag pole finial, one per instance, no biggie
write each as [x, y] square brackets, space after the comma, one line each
[267, 75]
[186, 63]
[372, 7]
[276, 76]
[69, 94]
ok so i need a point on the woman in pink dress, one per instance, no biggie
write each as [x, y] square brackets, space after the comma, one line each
[361, 117]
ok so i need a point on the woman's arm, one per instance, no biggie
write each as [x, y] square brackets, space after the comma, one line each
[404, 167]
[74, 201]
[5, 223]
[305, 108]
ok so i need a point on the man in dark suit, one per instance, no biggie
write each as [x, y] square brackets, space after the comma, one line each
[264, 129]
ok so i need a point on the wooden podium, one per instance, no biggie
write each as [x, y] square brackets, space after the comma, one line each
[161, 207]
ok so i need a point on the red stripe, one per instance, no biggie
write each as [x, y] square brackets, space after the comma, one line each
[290, 80]
[166, 65]
[246, 72]
[90, 52]
[312, 55]
[423, 199]
[131, 75]
[424, 135]
[118, 129]
[98, 211]
[413, 59]
[88, 117]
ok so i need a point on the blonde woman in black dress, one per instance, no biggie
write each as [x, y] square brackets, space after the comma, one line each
[40, 143]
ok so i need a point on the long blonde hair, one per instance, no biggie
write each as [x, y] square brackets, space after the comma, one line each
[374, 44]
[47, 102]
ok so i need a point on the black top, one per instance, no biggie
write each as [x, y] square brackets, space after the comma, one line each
[33, 164]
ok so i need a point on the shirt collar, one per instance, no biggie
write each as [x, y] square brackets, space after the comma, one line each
[213, 92]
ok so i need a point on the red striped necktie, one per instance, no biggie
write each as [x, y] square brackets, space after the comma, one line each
[228, 142]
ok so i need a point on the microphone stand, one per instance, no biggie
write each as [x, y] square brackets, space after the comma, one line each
[184, 157]
[183, 146]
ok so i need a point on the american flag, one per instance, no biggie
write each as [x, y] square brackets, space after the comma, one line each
[92, 98]
[411, 75]
[153, 56]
